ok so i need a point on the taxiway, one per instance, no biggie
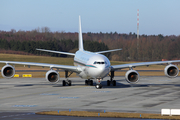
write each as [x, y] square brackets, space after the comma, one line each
[32, 95]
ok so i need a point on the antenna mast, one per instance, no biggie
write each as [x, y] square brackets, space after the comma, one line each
[137, 23]
[138, 34]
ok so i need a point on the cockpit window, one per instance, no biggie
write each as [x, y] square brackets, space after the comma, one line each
[100, 62]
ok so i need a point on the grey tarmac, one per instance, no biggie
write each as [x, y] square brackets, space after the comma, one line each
[30, 95]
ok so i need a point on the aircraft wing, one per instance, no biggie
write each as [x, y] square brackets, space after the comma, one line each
[64, 67]
[107, 51]
[132, 65]
[56, 52]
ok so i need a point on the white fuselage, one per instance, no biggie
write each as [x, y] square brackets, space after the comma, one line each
[94, 66]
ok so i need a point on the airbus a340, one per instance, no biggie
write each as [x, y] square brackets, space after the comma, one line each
[90, 65]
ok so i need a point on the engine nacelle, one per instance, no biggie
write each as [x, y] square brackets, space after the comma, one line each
[132, 76]
[52, 76]
[8, 71]
[171, 71]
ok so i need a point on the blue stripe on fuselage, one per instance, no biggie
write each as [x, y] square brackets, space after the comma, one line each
[80, 63]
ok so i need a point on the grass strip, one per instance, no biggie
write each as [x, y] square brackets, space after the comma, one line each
[108, 114]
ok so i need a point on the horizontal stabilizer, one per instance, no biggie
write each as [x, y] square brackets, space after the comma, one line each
[108, 51]
[56, 52]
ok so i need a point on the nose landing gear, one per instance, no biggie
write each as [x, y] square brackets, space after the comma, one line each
[98, 84]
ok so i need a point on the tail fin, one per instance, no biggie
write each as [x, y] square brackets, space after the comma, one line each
[80, 36]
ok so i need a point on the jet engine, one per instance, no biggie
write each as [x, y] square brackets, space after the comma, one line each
[8, 71]
[52, 76]
[132, 76]
[171, 71]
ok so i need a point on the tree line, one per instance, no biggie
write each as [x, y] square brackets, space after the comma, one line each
[29, 46]
[147, 48]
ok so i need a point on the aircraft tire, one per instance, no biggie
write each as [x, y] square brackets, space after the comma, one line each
[69, 82]
[91, 82]
[114, 83]
[86, 82]
[108, 82]
[63, 83]
[98, 86]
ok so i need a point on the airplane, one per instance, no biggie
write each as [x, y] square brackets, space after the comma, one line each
[90, 65]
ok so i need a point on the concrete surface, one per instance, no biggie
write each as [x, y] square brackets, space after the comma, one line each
[32, 95]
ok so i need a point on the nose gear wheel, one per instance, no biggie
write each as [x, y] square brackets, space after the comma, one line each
[98, 86]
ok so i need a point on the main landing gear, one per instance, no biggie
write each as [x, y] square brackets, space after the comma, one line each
[67, 82]
[111, 81]
[89, 82]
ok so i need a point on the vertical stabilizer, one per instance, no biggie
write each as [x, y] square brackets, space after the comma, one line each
[80, 36]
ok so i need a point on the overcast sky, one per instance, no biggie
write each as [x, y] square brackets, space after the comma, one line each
[156, 16]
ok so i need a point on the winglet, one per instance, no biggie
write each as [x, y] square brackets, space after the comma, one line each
[80, 36]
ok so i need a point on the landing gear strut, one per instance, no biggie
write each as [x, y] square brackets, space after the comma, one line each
[67, 82]
[111, 81]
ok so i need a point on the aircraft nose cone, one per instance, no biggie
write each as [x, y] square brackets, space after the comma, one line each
[102, 71]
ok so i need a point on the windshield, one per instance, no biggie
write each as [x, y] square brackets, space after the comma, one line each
[100, 62]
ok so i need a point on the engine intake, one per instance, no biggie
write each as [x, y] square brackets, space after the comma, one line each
[132, 76]
[52, 76]
[171, 71]
[8, 71]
